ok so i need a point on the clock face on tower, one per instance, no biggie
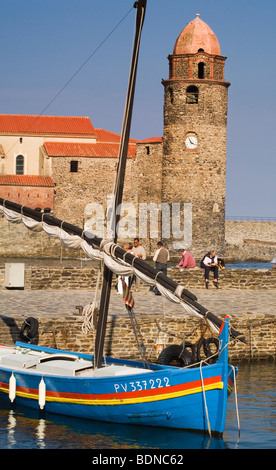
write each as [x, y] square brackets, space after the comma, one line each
[191, 142]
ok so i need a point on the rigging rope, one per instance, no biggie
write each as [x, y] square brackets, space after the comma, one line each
[236, 398]
[205, 402]
[122, 155]
[138, 335]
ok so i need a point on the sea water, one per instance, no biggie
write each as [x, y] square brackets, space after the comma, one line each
[250, 265]
[250, 425]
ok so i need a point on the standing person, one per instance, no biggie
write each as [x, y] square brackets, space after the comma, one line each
[187, 260]
[161, 257]
[210, 263]
[139, 251]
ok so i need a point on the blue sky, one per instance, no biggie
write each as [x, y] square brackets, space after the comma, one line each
[45, 44]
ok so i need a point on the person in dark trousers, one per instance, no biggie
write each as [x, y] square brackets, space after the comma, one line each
[139, 251]
[161, 257]
[210, 263]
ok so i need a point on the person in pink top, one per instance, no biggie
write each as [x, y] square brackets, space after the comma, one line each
[187, 260]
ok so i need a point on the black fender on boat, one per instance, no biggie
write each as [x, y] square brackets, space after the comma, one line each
[207, 347]
[29, 330]
[177, 354]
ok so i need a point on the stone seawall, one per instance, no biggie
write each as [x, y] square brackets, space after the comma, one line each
[86, 278]
[245, 240]
[250, 240]
[158, 332]
[238, 232]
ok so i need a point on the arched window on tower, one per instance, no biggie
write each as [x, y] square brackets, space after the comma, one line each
[201, 66]
[192, 95]
[19, 165]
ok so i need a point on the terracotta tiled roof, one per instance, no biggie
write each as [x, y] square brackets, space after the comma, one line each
[151, 139]
[49, 125]
[99, 149]
[197, 35]
[25, 180]
[108, 136]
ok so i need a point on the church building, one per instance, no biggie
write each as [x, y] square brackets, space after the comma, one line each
[66, 166]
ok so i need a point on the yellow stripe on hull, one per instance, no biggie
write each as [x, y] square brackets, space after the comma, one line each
[120, 401]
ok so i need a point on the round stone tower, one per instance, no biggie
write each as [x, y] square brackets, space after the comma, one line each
[194, 144]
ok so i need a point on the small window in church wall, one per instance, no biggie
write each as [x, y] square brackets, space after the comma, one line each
[201, 66]
[192, 95]
[19, 165]
[74, 166]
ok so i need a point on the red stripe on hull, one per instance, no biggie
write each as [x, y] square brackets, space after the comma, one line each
[119, 395]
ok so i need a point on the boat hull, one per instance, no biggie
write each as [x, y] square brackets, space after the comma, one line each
[123, 392]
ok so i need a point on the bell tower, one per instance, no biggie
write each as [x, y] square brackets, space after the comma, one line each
[195, 127]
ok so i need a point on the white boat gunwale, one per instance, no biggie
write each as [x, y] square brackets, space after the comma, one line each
[112, 367]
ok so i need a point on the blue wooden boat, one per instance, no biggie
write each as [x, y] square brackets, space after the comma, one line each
[121, 391]
[109, 389]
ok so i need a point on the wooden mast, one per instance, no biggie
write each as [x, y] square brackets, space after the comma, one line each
[118, 196]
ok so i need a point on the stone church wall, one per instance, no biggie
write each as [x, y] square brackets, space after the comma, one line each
[245, 240]
[197, 176]
[148, 167]
[93, 182]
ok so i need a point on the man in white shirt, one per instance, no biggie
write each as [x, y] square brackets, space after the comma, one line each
[138, 250]
[210, 262]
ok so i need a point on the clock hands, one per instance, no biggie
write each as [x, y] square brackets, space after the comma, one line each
[191, 142]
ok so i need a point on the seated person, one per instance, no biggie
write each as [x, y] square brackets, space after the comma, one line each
[210, 263]
[187, 260]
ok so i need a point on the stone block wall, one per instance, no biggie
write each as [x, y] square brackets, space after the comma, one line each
[250, 240]
[66, 278]
[148, 167]
[246, 231]
[16, 241]
[60, 278]
[252, 279]
[157, 331]
[245, 240]
[197, 176]
[93, 182]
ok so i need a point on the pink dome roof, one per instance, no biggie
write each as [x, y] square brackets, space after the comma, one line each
[197, 35]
